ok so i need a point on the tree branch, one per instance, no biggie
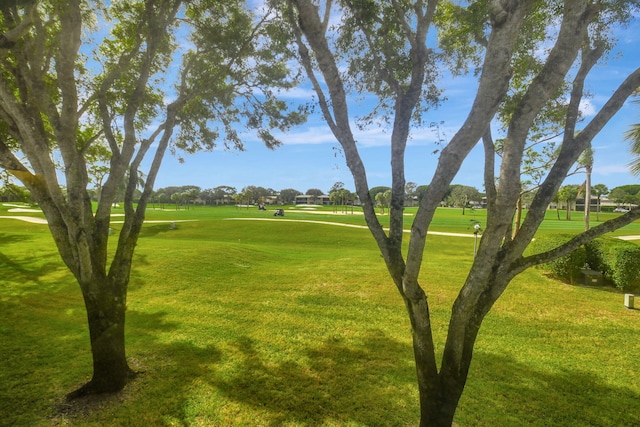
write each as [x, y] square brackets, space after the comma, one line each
[579, 240]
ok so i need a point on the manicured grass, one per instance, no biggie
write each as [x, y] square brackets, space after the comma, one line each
[245, 323]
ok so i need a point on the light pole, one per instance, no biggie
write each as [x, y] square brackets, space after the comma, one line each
[476, 231]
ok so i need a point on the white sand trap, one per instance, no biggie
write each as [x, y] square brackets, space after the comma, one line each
[13, 205]
[35, 220]
[24, 210]
[30, 219]
[628, 237]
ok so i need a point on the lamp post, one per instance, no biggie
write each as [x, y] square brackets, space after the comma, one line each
[476, 231]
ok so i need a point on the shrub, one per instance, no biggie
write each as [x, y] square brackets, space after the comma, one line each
[618, 260]
[626, 267]
[596, 255]
[567, 267]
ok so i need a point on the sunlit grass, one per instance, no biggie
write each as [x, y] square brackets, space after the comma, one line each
[245, 323]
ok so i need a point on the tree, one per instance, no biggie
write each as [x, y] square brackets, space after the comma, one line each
[375, 190]
[349, 198]
[624, 194]
[238, 198]
[244, 197]
[68, 85]
[421, 191]
[177, 198]
[162, 198]
[568, 194]
[538, 157]
[617, 195]
[461, 195]
[599, 190]
[337, 186]
[586, 161]
[334, 198]
[340, 196]
[315, 193]
[383, 199]
[223, 194]
[218, 195]
[410, 192]
[288, 196]
[633, 137]
[98, 165]
[190, 196]
[14, 193]
[384, 44]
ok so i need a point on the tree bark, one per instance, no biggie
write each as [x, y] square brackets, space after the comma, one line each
[105, 303]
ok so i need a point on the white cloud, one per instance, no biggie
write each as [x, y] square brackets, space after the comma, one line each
[612, 169]
[309, 136]
[371, 137]
[298, 93]
[587, 108]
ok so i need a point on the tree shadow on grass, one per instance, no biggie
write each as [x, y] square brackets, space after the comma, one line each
[188, 383]
[333, 382]
[165, 372]
[151, 230]
[21, 274]
[9, 239]
[502, 388]
[370, 382]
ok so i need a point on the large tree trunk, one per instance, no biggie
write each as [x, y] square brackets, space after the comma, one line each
[105, 303]
[423, 350]
[439, 392]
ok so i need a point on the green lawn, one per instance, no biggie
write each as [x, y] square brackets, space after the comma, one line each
[247, 323]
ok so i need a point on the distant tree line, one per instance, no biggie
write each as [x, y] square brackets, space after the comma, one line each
[458, 196]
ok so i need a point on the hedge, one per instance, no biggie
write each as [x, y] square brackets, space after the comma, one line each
[568, 267]
[617, 260]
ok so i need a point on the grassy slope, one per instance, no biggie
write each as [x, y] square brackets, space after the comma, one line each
[281, 323]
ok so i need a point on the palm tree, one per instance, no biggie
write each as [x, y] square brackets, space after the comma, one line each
[633, 136]
[599, 190]
[586, 160]
[568, 194]
[334, 196]
[383, 199]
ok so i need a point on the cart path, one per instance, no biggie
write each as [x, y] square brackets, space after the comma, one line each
[340, 224]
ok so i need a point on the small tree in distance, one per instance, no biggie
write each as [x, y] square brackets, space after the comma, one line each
[383, 198]
[568, 194]
[288, 196]
[462, 195]
[586, 161]
[599, 190]
[314, 193]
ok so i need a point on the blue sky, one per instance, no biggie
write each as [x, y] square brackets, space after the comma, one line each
[310, 156]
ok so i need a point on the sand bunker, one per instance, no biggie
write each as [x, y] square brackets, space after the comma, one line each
[30, 219]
